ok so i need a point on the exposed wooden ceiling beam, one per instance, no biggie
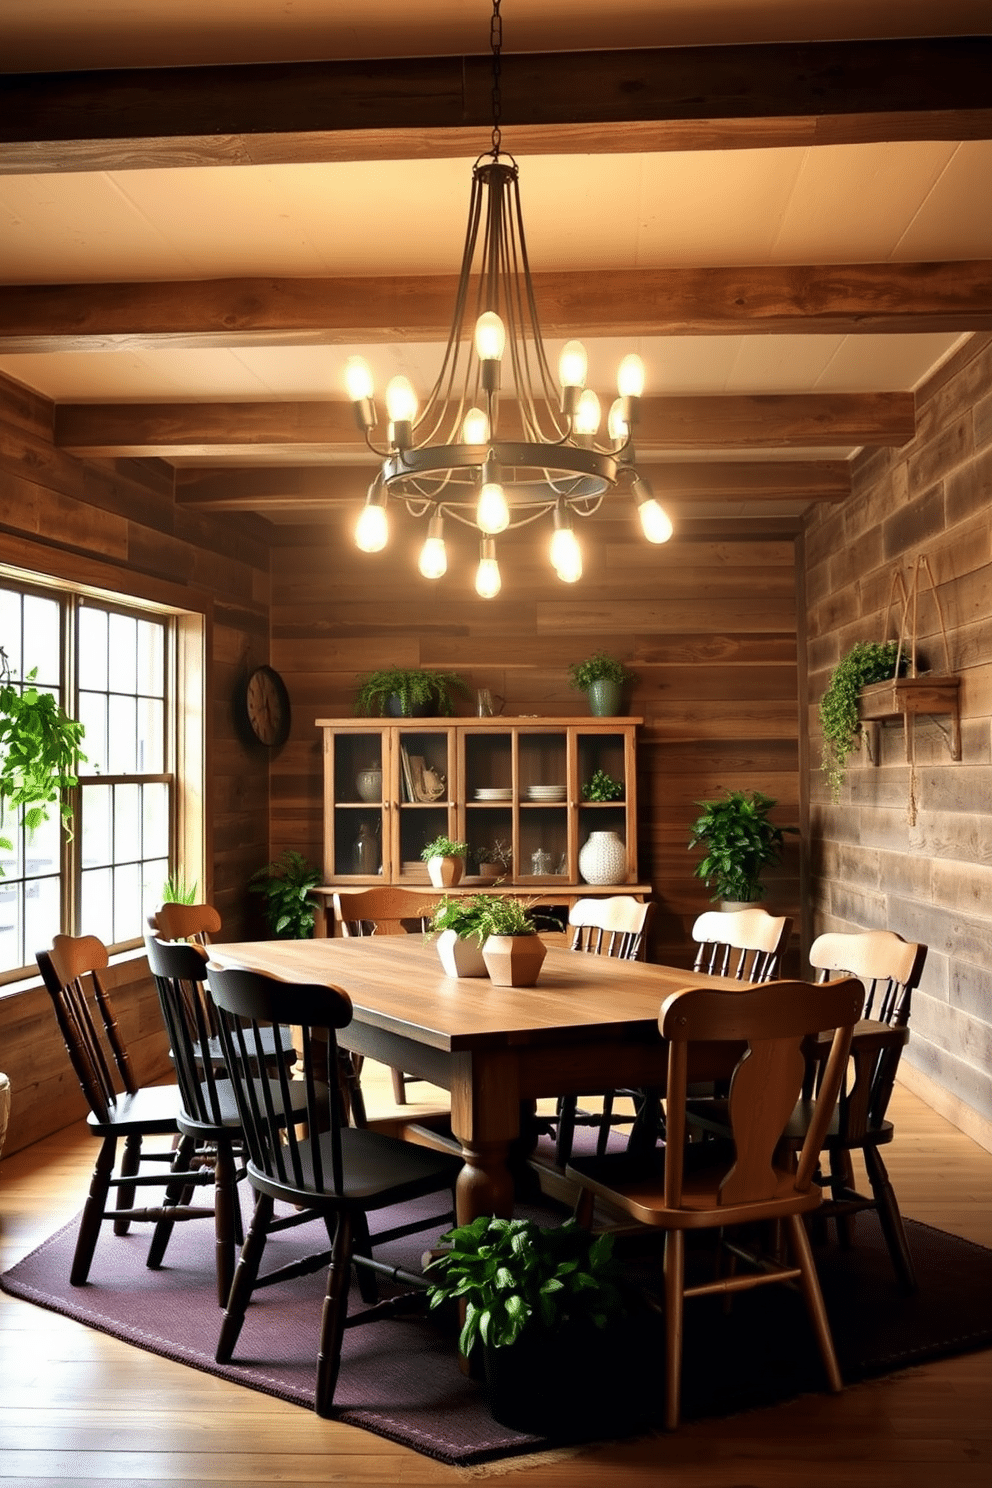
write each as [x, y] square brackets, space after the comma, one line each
[184, 430]
[317, 488]
[757, 299]
[681, 98]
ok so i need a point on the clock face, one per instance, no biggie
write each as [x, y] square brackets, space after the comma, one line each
[267, 706]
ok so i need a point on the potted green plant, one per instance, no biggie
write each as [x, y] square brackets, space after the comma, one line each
[865, 663]
[445, 861]
[740, 842]
[512, 949]
[286, 884]
[492, 859]
[39, 753]
[540, 1304]
[409, 692]
[459, 926]
[602, 678]
[602, 787]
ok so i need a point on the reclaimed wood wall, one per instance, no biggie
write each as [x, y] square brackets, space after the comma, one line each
[877, 862]
[707, 624]
[115, 525]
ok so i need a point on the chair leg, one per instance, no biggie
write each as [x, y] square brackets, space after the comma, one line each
[674, 1303]
[810, 1285]
[225, 1218]
[842, 1185]
[130, 1163]
[245, 1275]
[567, 1107]
[333, 1317]
[368, 1286]
[399, 1087]
[93, 1212]
[603, 1135]
[175, 1193]
[890, 1219]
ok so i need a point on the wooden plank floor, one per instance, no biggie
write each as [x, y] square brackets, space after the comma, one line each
[77, 1407]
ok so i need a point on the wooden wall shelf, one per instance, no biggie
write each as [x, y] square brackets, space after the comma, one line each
[904, 698]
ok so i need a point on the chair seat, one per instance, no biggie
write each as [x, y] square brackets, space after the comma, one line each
[637, 1182]
[152, 1108]
[269, 1047]
[228, 1109]
[795, 1133]
[377, 1170]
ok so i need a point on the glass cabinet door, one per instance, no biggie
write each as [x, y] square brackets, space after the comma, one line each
[543, 773]
[605, 789]
[423, 797]
[356, 771]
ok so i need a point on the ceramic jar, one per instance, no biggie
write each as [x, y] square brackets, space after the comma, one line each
[514, 960]
[368, 783]
[459, 956]
[603, 859]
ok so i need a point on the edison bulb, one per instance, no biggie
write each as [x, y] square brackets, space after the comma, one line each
[490, 337]
[487, 579]
[573, 364]
[630, 377]
[475, 427]
[492, 513]
[566, 555]
[588, 413]
[372, 529]
[358, 379]
[433, 558]
[656, 524]
[401, 400]
[617, 423]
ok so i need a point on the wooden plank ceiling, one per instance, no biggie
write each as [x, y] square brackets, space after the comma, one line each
[202, 223]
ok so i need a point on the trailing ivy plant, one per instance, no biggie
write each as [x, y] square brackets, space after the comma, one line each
[286, 884]
[867, 662]
[39, 753]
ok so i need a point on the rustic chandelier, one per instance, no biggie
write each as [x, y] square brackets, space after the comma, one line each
[451, 459]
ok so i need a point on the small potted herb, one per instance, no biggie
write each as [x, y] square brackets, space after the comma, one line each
[740, 842]
[512, 949]
[460, 927]
[286, 884]
[445, 861]
[538, 1303]
[409, 692]
[602, 787]
[865, 663]
[602, 678]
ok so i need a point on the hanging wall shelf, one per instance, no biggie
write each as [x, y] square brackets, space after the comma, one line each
[904, 698]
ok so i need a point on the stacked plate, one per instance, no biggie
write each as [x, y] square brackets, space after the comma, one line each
[545, 793]
[494, 793]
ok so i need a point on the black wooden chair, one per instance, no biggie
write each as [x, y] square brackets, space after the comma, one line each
[748, 1178]
[120, 1109]
[338, 1175]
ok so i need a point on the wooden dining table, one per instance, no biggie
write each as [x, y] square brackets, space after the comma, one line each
[588, 1026]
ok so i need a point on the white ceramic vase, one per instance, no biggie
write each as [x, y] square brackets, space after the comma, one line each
[603, 859]
[445, 872]
[460, 957]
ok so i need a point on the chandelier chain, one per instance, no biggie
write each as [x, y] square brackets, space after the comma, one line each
[496, 42]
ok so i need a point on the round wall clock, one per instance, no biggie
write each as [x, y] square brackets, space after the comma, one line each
[266, 706]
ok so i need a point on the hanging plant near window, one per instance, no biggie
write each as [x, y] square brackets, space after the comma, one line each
[39, 753]
[867, 662]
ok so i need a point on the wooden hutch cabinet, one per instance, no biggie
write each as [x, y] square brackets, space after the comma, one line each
[509, 786]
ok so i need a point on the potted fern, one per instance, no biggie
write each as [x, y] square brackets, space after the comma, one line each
[459, 926]
[740, 842]
[445, 861]
[286, 884]
[409, 692]
[512, 949]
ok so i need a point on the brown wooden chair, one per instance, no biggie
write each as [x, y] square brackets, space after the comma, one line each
[722, 1184]
[746, 944]
[617, 927]
[338, 1176]
[385, 910]
[119, 1108]
[890, 969]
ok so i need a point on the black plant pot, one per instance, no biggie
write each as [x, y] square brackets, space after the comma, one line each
[577, 1382]
[394, 708]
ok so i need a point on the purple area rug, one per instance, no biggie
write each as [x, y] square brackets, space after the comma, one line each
[400, 1379]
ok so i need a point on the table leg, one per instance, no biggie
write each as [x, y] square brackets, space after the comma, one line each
[485, 1117]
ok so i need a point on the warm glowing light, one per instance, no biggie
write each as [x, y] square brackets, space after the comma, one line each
[475, 427]
[490, 337]
[630, 377]
[588, 413]
[433, 557]
[372, 529]
[573, 365]
[617, 423]
[358, 379]
[492, 513]
[401, 400]
[487, 579]
[566, 555]
[656, 524]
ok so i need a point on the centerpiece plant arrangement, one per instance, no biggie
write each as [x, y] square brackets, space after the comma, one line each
[537, 1302]
[602, 678]
[865, 663]
[502, 927]
[409, 692]
[445, 859]
[740, 842]
[39, 754]
[286, 883]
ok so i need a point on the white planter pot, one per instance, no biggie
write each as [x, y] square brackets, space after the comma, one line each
[445, 872]
[460, 958]
[603, 859]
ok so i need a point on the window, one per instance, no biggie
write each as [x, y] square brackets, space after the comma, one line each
[114, 668]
